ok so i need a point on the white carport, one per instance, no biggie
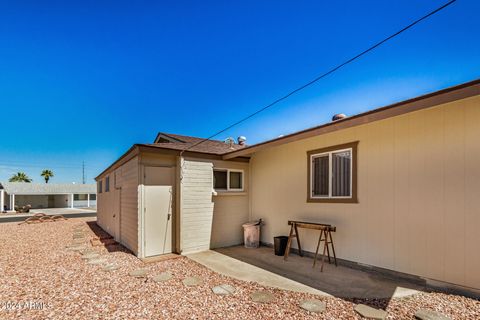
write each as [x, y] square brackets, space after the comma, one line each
[43, 195]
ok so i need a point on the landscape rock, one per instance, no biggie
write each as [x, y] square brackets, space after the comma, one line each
[192, 281]
[162, 277]
[425, 314]
[223, 289]
[370, 313]
[313, 305]
[96, 261]
[262, 297]
[110, 267]
[139, 273]
[91, 255]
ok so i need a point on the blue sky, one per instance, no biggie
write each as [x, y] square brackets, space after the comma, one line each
[83, 81]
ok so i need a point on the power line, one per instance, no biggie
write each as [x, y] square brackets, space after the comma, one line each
[322, 75]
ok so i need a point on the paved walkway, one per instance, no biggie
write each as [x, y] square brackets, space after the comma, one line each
[243, 271]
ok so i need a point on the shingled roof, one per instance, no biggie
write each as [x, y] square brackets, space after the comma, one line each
[180, 142]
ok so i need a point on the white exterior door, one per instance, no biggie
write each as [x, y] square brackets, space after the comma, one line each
[157, 219]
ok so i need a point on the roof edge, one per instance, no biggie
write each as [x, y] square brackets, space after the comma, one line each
[117, 162]
[450, 94]
[167, 137]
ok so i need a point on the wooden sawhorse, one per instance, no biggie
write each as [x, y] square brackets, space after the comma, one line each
[325, 236]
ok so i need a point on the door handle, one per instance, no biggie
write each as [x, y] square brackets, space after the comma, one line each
[168, 216]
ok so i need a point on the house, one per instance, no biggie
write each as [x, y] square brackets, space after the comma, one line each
[401, 183]
[46, 195]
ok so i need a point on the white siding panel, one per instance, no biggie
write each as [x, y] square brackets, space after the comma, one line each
[196, 216]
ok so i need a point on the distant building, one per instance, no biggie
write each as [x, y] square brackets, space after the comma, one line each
[46, 195]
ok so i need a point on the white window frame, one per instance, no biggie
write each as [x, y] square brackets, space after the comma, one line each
[330, 174]
[228, 180]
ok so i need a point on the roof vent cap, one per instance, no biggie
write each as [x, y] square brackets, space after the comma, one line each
[241, 140]
[339, 116]
[230, 141]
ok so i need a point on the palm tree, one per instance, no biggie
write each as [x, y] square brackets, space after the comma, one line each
[47, 174]
[20, 177]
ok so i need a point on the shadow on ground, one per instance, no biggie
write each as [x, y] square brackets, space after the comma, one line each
[103, 235]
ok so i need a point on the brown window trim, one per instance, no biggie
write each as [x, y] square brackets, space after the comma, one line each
[353, 199]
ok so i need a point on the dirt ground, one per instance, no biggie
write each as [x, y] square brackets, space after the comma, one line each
[40, 278]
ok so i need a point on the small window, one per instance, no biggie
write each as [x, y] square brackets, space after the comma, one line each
[235, 182]
[220, 179]
[99, 186]
[332, 174]
[107, 184]
[93, 196]
[228, 180]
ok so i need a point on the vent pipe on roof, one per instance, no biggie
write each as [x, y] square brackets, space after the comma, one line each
[338, 116]
[241, 140]
[230, 141]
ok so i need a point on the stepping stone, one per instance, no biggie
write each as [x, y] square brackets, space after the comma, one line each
[262, 297]
[424, 314]
[79, 236]
[76, 247]
[89, 256]
[192, 281]
[87, 251]
[313, 305]
[139, 273]
[77, 241]
[162, 277]
[96, 261]
[223, 289]
[370, 313]
[110, 267]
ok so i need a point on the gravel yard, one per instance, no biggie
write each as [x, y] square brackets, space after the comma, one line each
[41, 278]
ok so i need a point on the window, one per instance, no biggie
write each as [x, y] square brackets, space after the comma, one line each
[93, 196]
[220, 179]
[332, 174]
[99, 186]
[107, 184]
[228, 180]
[78, 197]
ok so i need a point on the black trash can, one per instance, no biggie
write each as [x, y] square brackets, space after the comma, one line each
[280, 244]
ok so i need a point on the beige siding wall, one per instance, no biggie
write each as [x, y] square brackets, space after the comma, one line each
[418, 190]
[128, 184]
[121, 201]
[230, 210]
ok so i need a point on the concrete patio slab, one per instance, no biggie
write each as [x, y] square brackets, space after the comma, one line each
[243, 271]
[341, 281]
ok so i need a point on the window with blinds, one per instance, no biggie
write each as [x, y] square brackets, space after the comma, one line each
[331, 173]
